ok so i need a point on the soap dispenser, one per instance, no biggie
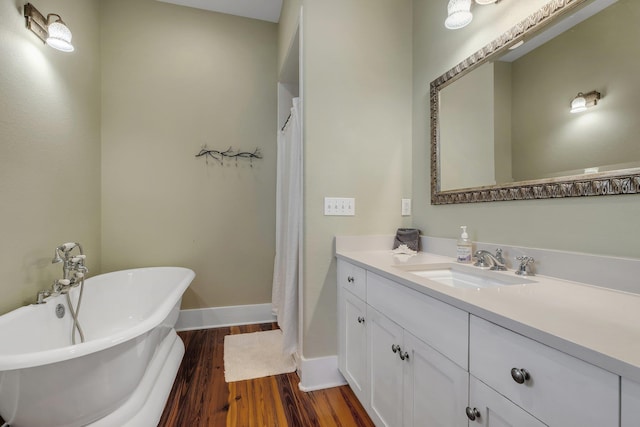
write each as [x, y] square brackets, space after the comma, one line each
[464, 249]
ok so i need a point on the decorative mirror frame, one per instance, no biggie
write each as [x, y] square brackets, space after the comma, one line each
[625, 181]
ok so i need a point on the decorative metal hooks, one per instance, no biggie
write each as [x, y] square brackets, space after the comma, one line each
[229, 153]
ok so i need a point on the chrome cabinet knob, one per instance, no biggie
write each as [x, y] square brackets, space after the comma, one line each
[472, 413]
[351, 279]
[520, 375]
[360, 319]
[404, 356]
[395, 348]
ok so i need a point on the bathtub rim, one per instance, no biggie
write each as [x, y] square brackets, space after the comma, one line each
[46, 357]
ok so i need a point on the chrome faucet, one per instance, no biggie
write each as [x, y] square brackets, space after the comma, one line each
[524, 269]
[70, 263]
[44, 294]
[73, 271]
[487, 259]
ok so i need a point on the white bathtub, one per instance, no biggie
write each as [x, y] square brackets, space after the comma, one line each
[120, 376]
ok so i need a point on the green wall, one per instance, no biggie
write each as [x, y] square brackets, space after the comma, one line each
[597, 225]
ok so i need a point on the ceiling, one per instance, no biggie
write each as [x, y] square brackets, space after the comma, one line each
[266, 10]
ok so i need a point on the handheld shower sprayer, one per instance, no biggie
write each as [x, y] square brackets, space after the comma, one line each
[56, 257]
[74, 272]
[64, 250]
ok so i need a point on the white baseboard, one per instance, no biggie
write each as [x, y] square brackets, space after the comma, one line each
[319, 373]
[217, 317]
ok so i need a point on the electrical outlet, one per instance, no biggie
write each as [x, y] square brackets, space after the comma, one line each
[406, 207]
[339, 206]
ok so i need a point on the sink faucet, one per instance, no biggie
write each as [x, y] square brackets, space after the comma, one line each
[487, 259]
[524, 269]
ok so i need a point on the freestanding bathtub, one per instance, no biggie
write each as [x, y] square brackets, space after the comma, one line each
[120, 376]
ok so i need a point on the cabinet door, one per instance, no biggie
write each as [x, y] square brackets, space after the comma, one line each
[435, 388]
[385, 368]
[495, 410]
[630, 403]
[353, 343]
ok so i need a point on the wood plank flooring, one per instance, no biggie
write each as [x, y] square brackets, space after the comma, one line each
[201, 398]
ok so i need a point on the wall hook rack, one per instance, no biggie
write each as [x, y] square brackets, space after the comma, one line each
[229, 153]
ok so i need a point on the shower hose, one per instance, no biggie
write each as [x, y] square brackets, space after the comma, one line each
[74, 314]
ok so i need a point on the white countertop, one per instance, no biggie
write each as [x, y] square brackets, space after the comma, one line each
[598, 325]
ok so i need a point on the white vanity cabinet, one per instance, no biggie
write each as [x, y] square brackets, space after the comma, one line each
[385, 369]
[413, 360]
[434, 388]
[353, 343]
[353, 279]
[412, 384]
[630, 403]
[412, 340]
[352, 329]
[414, 344]
[491, 409]
[556, 388]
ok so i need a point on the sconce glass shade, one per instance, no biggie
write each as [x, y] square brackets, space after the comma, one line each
[579, 103]
[59, 36]
[459, 14]
[582, 101]
[483, 2]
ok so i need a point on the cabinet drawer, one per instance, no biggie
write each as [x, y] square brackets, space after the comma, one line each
[560, 391]
[352, 278]
[442, 326]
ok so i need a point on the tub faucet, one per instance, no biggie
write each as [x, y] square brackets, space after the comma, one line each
[487, 259]
[73, 271]
[42, 295]
[70, 263]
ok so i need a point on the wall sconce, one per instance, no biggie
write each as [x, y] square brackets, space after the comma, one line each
[51, 30]
[459, 12]
[583, 101]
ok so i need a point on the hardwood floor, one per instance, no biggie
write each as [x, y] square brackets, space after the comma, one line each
[200, 396]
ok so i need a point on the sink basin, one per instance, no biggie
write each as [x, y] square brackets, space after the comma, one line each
[464, 277]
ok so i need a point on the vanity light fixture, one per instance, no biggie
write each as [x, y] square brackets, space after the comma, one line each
[51, 30]
[459, 12]
[582, 101]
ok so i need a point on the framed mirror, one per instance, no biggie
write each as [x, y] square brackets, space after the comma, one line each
[504, 122]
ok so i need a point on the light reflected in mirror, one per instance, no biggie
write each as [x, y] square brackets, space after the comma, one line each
[502, 128]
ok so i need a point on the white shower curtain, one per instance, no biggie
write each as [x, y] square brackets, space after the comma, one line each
[284, 296]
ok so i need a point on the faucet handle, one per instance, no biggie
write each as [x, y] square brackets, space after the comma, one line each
[481, 261]
[525, 261]
[60, 285]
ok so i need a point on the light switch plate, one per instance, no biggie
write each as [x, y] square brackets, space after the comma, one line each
[406, 207]
[339, 206]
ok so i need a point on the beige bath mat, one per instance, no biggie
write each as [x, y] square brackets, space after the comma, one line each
[255, 355]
